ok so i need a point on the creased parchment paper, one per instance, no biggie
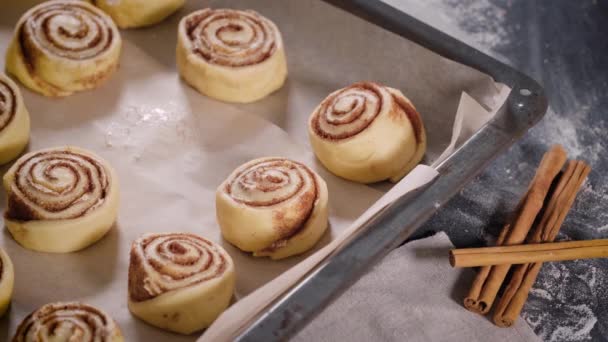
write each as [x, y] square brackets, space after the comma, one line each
[172, 147]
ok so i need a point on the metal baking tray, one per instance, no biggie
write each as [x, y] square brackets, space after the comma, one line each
[524, 107]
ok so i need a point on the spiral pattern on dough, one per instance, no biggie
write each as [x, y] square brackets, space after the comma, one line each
[232, 38]
[74, 321]
[67, 28]
[273, 181]
[171, 261]
[57, 184]
[349, 111]
[8, 104]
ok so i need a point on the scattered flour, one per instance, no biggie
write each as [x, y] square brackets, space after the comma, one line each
[541, 293]
[481, 19]
[591, 206]
[477, 22]
[603, 228]
[563, 129]
[580, 329]
[160, 127]
[561, 304]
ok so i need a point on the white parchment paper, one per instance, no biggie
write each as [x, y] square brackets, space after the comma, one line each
[172, 147]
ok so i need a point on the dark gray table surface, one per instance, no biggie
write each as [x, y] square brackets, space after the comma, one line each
[564, 45]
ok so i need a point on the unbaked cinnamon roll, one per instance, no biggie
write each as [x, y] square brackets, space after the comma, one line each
[230, 55]
[68, 322]
[7, 280]
[60, 199]
[179, 281]
[14, 121]
[63, 46]
[273, 207]
[138, 13]
[367, 133]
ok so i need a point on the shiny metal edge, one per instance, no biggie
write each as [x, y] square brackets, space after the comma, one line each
[525, 106]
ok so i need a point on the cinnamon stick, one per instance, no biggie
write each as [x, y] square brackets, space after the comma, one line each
[488, 280]
[529, 253]
[471, 301]
[524, 276]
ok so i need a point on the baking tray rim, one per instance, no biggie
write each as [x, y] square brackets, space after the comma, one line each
[524, 107]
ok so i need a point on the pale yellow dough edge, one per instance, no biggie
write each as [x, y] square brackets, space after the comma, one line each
[55, 76]
[138, 13]
[252, 229]
[69, 235]
[14, 137]
[7, 281]
[231, 84]
[191, 308]
[108, 335]
[382, 151]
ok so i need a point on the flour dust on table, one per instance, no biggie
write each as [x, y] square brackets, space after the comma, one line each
[476, 22]
[572, 292]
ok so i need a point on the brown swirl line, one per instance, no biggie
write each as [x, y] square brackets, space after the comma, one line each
[257, 177]
[37, 37]
[30, 195]
[214, 47]
[82, 320]
[352, 116]
[413, 115]
[269, 175]
[8, 104]
[160, 262]
[328, 115]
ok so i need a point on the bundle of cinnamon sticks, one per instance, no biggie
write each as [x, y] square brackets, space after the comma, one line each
[538, 218]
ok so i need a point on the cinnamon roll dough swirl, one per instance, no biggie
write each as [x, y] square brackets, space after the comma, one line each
[179, 281]
[63, 46]
[138, 13]
[14, 120]
[60, 199]
[7, 280]
[367, 133]
[68, 322]
[273, 207]
[230, 55]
